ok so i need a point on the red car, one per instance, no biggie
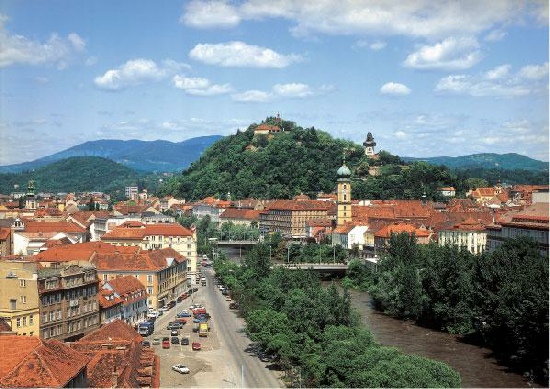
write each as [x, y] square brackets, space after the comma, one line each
[196, 346]
[165, 342]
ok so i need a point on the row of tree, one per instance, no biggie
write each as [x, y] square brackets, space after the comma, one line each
[314, 331]
[498, 298]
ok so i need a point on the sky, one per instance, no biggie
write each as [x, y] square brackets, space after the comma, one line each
[426, 78]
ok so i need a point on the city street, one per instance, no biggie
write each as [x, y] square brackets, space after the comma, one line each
[222, 362]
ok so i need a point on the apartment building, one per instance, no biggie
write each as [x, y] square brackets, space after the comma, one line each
[68, 301]
[19, 303]
[290, 217]
[158, 236]
[469, 234]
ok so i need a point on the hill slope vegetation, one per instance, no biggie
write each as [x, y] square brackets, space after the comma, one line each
[75, 174]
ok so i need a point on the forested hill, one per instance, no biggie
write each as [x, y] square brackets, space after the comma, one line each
[291, 162]
[305, 160]
[75, 174]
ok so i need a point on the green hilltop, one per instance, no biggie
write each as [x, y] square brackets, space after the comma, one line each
[74, 174]
[295, 160]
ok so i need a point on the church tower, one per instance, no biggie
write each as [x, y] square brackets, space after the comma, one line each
[30, 199]
[369, 145]
[343, 213]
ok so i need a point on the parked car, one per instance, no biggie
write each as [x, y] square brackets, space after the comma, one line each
[181, 369]
[184, 341]
[196, 346]
[184, 313]
[175, 340]
[145, 344]
[174, 333]
[174, 325]
[234, 305]
[156, 341]
[166, 342]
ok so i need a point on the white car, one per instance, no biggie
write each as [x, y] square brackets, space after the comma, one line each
[181, 369]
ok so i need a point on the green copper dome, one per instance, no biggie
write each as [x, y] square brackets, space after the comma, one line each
[343, 171]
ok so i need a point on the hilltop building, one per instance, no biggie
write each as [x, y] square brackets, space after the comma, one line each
[369, 144]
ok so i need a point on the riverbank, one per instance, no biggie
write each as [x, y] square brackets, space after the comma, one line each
[477, 368]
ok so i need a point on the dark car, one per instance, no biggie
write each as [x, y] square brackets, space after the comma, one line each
[145, 344]
[234, 305]
[185, 341]
[175, 340]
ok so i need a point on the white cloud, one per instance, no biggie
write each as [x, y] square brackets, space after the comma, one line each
[497, 82]
[200, 86]
[421, 18]
[19, 50]
[293, 90]
[495, 35]
[394, 89]
[255, 96]
[498, 72]
[240, 54]
[202, 14]
[377, 45]
[135, 72]
[534, 72]
[451, 53]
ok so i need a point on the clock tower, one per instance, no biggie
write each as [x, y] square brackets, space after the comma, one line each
[343, 214]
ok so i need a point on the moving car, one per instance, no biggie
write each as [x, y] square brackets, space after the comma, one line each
[196, 346]
[181, 369]
[165, 342]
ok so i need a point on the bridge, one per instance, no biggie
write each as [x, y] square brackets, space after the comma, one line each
[236, 243]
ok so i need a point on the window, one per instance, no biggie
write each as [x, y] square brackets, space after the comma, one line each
[23, 299]
[22, 283]
[150, 290]
[18, 322]
[104, 277]
[149, 278]
[24, 320]
[31, 321]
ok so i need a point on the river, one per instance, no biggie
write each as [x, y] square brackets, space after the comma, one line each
[477, 368]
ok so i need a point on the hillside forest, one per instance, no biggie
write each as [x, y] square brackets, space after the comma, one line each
[305, 161]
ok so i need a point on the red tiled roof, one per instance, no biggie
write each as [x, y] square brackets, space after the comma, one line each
[69, 227]
[32, 362]
[5, 233]
[134, 231]
[81, 251]
[302, 205]
[240, 213]
[143, 260]
[105, 302]
[397, 228]
[126, 284]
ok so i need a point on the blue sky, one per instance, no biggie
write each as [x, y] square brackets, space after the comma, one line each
[427, 78]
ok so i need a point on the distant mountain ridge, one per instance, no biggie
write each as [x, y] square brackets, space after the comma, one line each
[147, 156]
[510, 161]
[165, 156]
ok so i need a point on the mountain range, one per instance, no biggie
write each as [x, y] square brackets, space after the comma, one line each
[510, 161]
[165, 156]
[147, 156]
